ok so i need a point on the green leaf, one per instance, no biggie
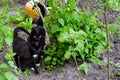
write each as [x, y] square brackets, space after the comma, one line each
[62, 70]
[51, 3]
[80, 46]
[74, 54]
[63, 37]
[54, 59]
[54, 63]
[1, 45]
[11, 63]
[5, 30]
[117, 65]
[55, 28]
[67, 55]
[113, 28]
[9, 55]
[10, 76]
[48, 58]
[73, 4]
[119, 35]
[2, 77]
[8, 41]
[27, 72]
[118, 73]
[95, 60]
[61, 21]
[3, 1]
[4, 66]
[84, 67]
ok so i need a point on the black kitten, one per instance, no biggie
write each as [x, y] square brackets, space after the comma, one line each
[23, 57]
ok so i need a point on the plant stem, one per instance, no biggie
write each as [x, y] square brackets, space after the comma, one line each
[107, 35]
[82, 78]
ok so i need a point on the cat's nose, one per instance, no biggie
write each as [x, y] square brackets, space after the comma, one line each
[36, 43]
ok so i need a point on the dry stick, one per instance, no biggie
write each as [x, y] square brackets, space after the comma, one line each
[107, 35]
[78, 70]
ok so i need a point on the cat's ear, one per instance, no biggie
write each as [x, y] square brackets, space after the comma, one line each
[43, 9]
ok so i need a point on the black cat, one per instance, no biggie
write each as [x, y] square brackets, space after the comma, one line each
[37, 40]
[24, 58]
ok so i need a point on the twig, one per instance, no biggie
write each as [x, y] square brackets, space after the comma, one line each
[78, 70]
[82, 78]
[107, 35]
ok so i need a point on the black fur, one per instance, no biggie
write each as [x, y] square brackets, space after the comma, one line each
[23, 57]
[37, 41]
[42, 9]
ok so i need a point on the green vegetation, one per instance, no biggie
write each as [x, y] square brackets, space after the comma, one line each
[5, 68]
[75, 34]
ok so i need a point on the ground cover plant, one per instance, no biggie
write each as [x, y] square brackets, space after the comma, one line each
[75, 34]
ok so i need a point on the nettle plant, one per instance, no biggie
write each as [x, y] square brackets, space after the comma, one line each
[5, 31]
[7, 19]
[74, 34]
[8, 71]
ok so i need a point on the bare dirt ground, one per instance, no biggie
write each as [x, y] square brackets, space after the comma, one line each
[70, 71]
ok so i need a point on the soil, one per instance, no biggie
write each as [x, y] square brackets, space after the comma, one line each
[70, 72]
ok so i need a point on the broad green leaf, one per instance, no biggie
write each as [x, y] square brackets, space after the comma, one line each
[11, 63]
[48, 58]
[74, 54]
[8, 41]
[117, 65]
[118, 19]
[63, 37]
[51, 3]
[9, 55]
[61, 21]
[77, 18]
[2, 76]
[10, 76]
[67, 55]
[5, 30]
[3, 1]
[80, 46]
[84, 67]
[95, 60]
[54, 59]
[68, 17]
[62, 70]
[118, 73]
[73, 4]
[82, 33]
[54, 63]
[98, 30]
[54, 28]
[60, 10]
[4, 66]
[113, 28]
